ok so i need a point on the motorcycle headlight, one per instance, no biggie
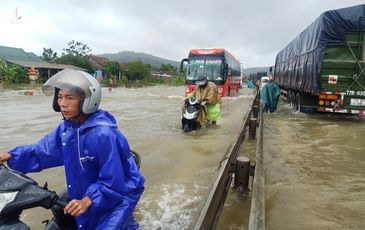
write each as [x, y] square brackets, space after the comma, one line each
[6, 198]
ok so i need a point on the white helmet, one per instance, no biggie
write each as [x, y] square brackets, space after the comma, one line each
[74, 81]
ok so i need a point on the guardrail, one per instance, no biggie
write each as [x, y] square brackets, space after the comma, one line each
[209, 216]
[257, 212]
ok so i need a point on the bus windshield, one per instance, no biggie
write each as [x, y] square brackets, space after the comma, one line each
[210, 68]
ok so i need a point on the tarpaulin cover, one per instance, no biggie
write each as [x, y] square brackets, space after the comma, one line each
[298, 65]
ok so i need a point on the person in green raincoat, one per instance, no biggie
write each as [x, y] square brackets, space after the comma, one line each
[207, 92]
[270, 94]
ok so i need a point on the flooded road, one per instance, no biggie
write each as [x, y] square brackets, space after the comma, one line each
[179, 168]
[315, 171]
[314, 164]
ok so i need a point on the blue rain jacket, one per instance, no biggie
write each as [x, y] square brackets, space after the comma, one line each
[98, 164]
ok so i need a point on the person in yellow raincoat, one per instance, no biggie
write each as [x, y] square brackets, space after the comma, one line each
[207, 92]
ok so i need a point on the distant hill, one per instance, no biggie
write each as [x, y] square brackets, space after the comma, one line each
[130, 56]
[248, 71]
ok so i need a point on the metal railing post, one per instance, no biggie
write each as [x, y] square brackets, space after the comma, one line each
[242, 173]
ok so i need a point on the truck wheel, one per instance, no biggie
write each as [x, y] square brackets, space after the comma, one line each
[292, 99]
[295, 102]
[289, 98]
[299, 103]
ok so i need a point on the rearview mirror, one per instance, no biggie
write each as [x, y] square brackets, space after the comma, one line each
[182, 64]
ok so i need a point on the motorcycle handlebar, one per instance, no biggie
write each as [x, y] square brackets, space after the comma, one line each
[61, 203]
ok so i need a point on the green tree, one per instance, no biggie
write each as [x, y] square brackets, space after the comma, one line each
[13, 73]
[76, 54]
[21, 74]
[112, 69]
[76, 60]
[179, 80]
[49, 55]
[3, 69]
[168, 68]
[124, 80]
[137, 70]
[77, 49]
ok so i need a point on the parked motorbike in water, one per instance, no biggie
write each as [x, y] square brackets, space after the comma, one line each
[19, 192]
[190, 114]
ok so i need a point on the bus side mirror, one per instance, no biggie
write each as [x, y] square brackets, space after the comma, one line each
[182, 64]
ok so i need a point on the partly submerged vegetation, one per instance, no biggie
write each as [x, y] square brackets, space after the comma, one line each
[132, 74]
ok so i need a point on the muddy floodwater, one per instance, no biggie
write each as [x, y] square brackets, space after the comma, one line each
[314, 163]
[315, 171]
[179, 167]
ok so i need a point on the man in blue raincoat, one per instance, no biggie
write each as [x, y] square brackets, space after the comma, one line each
[103, 181]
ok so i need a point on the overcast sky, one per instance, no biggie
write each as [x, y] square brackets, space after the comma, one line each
[253, 31]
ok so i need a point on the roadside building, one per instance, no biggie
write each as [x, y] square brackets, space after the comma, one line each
[99, 64]
[36, 66]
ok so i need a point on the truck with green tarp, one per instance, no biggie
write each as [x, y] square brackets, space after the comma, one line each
[323, 68]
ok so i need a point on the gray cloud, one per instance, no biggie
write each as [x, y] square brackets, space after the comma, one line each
[254, 31]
